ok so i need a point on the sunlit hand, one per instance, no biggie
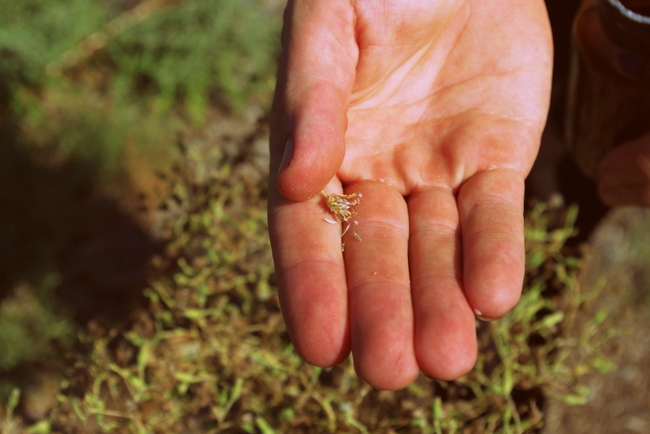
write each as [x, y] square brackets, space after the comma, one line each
[433, 110]
[624, 174]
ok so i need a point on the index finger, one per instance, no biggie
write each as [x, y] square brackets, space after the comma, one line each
[311, 278]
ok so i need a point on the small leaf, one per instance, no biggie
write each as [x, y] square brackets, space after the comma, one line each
[264, 426]
[551, 320]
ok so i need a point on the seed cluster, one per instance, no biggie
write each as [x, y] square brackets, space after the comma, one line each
[341, 206]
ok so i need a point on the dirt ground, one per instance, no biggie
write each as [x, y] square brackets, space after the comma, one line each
[618, 259]
[616, 244]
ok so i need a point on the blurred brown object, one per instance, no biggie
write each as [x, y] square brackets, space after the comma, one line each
[609, 81]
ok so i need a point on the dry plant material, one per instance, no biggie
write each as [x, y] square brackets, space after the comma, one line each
[341, 206]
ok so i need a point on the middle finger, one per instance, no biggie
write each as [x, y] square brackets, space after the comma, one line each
[381, 313]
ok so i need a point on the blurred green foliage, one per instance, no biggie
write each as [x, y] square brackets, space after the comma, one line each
[34, 33]
[194, 49]
[98, 91]
[170, 51]
[28, 323]
[88, 78]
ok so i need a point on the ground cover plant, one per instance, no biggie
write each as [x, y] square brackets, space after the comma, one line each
[158, 314]
[208, 352]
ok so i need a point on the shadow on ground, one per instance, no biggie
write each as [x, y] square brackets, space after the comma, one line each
[54, 219]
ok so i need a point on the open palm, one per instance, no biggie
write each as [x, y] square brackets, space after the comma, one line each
[433, 111]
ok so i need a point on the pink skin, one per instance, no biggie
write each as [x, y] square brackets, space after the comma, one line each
[433, 110]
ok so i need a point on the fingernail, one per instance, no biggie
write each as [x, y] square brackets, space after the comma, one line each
[480, 316]
[287, 156]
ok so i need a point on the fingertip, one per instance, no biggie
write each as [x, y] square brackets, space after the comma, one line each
[493, 298]
[382, 339]
[302, 179]
[319, 336]
[324, 355]
[389, 373]
[315, 149]
[392, 383]
[453, 365]
[447, 350]
[314, 306]
[494, 267]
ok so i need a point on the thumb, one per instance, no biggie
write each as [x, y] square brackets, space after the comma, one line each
[315, 79]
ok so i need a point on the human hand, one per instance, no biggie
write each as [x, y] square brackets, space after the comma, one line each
[624, 174]
[433, 110]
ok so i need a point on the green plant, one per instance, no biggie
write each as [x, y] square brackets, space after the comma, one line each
[34, 33]
[211, 352]
[191, 50]
[83, 77]
[29, 321]
[171, 50]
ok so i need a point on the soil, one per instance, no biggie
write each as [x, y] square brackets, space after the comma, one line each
[617, 259]
[619, 401]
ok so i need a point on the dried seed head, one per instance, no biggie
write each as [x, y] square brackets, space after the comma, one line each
[341, 204]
